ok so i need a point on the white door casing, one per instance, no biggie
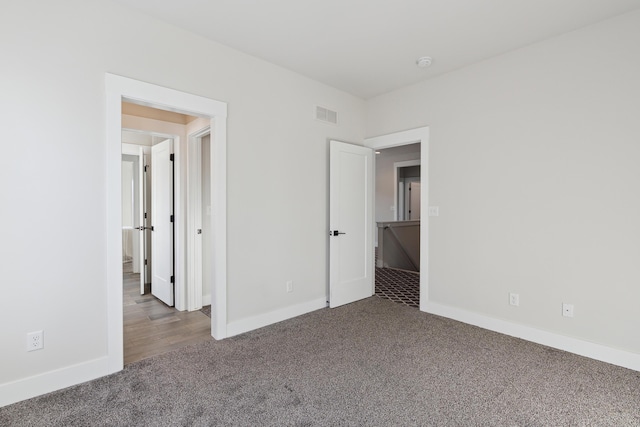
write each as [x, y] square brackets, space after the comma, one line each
[162, 222]
[351, 246]
[120, 88]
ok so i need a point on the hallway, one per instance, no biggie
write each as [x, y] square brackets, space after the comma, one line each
[398, 286]
[152, 328]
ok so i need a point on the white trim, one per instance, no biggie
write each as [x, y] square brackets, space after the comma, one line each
[573, 345]
[121, 88]
[148, 132]
[418, 135]
[47, 382]
[266, 319]
[396, 166]
[131, 149]
[218, 217]
[412, 136]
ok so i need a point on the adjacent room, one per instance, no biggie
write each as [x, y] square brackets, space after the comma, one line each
[155, 321]
[397, 214]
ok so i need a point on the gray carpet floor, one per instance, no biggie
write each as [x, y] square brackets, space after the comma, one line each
[370, 363]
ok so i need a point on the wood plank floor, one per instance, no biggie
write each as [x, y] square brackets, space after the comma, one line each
[152, 328]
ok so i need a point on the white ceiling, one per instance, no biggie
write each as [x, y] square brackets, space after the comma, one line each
[369, 47]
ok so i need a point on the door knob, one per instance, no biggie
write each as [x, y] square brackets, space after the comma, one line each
[335, 233]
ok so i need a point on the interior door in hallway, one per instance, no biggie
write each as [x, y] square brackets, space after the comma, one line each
[351, 244]
[162, 222]
[414, 200]
[140, 223]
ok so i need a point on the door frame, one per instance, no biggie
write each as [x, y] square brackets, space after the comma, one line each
[397, 139]
[120, 88]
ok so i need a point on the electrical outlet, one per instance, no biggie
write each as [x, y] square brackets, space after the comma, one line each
[35, 340]
[290, 286]
[567, 310]
[514, 299]
[434, 210]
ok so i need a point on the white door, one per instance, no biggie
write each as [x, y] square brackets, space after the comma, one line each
[351, 223]
[140, 220]
[414, 206]
[162, 221]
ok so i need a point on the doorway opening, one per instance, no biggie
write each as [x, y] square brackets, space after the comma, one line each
[155, 320]
[411, 149]
[119, 89]
[397, 213]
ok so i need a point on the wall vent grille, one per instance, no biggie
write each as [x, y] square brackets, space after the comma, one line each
[325, 115]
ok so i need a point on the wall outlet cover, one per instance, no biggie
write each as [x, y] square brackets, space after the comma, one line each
[514, 299]
[35, 340]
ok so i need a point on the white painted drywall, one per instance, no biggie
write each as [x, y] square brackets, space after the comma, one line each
[54, 60]
[534, 164]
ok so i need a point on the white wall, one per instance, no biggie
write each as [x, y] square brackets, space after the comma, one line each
[385, 177]
[534, 164]
[54, 59]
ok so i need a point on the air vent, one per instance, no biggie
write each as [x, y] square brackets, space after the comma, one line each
[326, 115]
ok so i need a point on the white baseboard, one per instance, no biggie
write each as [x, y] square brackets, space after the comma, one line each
[262, 320]
[206, 300]
[47, 382]
[588, 349]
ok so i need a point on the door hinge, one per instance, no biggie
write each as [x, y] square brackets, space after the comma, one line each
[171, 279]
[145, 167]
[145, 262]
[145, 215]
[171, 218]
[171, 157]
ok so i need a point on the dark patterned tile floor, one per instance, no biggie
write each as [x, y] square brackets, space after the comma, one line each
[399, 286]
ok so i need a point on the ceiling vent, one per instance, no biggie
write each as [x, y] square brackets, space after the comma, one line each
[326, 115]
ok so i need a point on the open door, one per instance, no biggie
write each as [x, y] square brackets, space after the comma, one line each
[414, 204]
[351, 273]
[140, 220]
[162, 222]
